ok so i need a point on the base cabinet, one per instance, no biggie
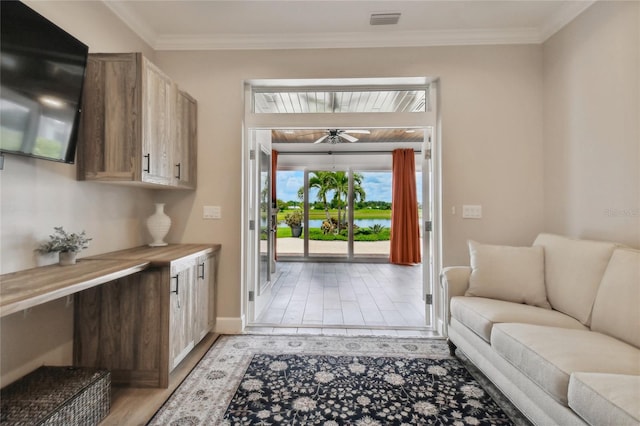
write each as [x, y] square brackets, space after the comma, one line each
[182, 312]
[201, 302]
[123, 326]
[142, 326]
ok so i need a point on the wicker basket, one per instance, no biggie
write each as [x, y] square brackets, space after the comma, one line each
[57, 396]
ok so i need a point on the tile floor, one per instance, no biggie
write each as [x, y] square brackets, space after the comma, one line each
[345, 298]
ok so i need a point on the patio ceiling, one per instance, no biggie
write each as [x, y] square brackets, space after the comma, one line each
[312, 102]
[399, 137]
[371, 152]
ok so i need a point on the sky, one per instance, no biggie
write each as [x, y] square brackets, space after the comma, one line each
[377, 185]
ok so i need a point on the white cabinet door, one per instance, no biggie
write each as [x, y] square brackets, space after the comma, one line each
[181, 313]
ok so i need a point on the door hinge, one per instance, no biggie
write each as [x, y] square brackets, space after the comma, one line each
[252, 154]
[252, 296]
[428, 226]
[252, 225]
[428, 299]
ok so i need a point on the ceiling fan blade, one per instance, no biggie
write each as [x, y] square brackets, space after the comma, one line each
[357, 131]
[348, 137]
[321, 139]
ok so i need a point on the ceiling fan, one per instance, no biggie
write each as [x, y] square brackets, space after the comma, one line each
[335, 136]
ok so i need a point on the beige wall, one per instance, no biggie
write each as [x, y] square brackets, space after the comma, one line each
[495, 151]
[37, 195]
[492, 131]
[591, 121]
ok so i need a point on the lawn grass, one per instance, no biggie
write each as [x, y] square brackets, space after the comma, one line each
[359, 214]
[317, 234]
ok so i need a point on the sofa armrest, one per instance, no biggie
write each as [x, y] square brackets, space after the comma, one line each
[454, 281]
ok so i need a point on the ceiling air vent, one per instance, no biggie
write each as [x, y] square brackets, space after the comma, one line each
[384, 18]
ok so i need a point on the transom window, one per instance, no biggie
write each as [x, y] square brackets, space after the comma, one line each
[269, 100]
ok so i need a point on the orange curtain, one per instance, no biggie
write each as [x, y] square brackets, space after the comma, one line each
[405, 231]
[274, 201]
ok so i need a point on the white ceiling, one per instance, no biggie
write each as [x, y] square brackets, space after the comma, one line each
[268, 24]
[290, 24]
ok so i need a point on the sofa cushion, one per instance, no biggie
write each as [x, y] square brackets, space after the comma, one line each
[605, 399]
[616, 310]
[480, 314]
[548, 355]
[573, 271]
[513, 274]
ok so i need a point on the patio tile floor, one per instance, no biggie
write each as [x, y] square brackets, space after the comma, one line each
[352, 298]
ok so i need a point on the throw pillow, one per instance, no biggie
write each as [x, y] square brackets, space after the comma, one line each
[615, 311]
[512, 274]
[573, 271]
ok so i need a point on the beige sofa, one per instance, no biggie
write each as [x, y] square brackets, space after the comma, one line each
[555, 326]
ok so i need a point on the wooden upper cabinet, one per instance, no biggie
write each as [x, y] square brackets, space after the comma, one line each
[131, 124]
[185, 148]
[158, 99]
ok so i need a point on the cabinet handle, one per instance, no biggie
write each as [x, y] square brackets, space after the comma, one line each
[201, 275]
[178, 166]
[148, 169]
[177, 278]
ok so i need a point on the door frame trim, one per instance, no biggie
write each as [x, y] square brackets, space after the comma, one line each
[430, 118]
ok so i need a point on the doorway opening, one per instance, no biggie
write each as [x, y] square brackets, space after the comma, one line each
[336, 214]
[324, 212]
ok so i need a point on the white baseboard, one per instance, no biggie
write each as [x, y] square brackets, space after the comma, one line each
[229, 325]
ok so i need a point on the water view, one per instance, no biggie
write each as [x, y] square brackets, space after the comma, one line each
[328, 195]
[360, 223]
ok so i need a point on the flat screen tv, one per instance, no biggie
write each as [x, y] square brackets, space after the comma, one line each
[42, 75]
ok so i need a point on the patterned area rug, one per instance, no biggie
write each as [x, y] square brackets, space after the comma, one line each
[322, 380]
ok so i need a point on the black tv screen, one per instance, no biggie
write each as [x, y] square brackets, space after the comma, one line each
[42, 75]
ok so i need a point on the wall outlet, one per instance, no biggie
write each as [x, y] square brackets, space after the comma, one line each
[212, 212]
[471, 211]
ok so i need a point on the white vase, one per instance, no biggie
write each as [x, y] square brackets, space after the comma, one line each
[158, 225]
[66, 258]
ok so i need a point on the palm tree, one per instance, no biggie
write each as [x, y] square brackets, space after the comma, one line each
[324, 182]
[341, 188]
[338, 183]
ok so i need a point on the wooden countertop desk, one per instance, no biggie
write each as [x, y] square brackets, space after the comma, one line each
[25, 289]
[161, 256]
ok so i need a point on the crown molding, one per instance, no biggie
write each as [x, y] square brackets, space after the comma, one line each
[563, 17]
[139, 27]
[348, 39]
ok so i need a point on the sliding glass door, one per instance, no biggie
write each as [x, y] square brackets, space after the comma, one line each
[343, 214]
[328, 229]
[372, 214]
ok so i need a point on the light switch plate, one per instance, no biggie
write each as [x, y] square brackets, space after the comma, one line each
[471, 211]
[211, 212]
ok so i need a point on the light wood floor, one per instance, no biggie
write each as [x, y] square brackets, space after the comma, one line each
[358, 295]
[136, 406]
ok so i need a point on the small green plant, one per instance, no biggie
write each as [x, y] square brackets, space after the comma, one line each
[376, 228]
[293, 219]
[62, 241]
